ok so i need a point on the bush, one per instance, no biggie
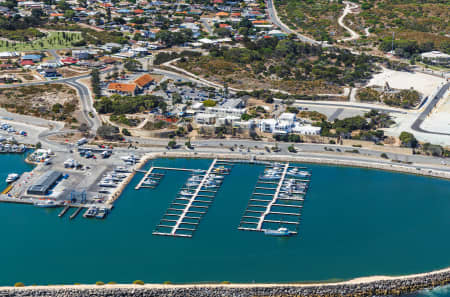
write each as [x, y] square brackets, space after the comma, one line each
[226, 282]
[209, 103]
[384, 156]
[112, 283]
[292, 149]
[126, 132]
[19, 284]
[167, 282]
[138, 282]
[99, 283]
[172, 144]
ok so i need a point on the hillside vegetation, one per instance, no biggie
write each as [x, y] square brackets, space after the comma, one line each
[286, 65]
[419, 25]
[316, 18]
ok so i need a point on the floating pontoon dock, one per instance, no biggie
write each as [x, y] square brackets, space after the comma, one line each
[274, 205]
[187, 209]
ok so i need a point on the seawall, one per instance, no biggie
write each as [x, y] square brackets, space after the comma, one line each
[380, 286]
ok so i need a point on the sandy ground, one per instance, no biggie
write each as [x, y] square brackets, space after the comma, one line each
[439, 119]
[423, 83]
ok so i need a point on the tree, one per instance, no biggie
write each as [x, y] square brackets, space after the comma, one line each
[95, 83]
[172, 144]
[126, 132]
[109, 132]
[132, 65]
[408, 139]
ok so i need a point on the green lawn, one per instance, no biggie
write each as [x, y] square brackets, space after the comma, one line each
[53, 40]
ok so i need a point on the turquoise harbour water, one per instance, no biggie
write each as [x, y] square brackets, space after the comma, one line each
[355, 222]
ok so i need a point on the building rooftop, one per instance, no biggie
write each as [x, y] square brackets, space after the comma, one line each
[143, 80]
[121, 87]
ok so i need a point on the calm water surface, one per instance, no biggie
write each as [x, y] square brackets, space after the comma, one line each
[356, 222]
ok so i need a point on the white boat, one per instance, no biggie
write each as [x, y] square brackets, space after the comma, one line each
[130, 159]
[215, 176]
[107, 183]
[298, 173]
[101, 213]
[279, 232]
[12, 177]
[195, 178]
[271, 176]
[91, 212]
[192, 184]
[46, 203]
[122, 169]
[186, 193]
[150, 182]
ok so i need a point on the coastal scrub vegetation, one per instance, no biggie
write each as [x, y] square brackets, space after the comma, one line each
[109, 132]
[418, 25]
[401, 98]
[120, 105]
[315, 18]
[287, 65]
[367, 127]
[54, 101]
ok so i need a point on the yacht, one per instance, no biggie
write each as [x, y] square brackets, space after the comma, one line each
[101, 213]
[271, 176]
[122, 169]
[12, 177]
[215, 176]
[186, 193]
[150, 182]
[298, 173]
[279, 232]
[195, 178]
[107, 183]
[46, 203]
[91, 212]
[192, 184]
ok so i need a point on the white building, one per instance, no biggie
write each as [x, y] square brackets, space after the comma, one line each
[225, 111]
[436, 57]
[205, 119]
[287, 123]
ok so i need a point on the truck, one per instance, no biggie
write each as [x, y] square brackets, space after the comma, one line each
[82, 141]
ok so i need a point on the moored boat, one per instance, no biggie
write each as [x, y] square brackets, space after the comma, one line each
[279, 232]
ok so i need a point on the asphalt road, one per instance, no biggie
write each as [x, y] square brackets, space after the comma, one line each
[274, 18]
[87, 105]
[418, 122]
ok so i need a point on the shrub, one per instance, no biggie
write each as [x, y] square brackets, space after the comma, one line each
[383, 155]
[99, 283]
[112, 283]
[167, 282]
[19, 284]
[126, 132]
[138, 282]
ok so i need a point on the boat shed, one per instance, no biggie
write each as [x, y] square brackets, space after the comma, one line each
[44, 183]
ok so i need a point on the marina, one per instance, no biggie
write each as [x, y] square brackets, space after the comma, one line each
[328, 244]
